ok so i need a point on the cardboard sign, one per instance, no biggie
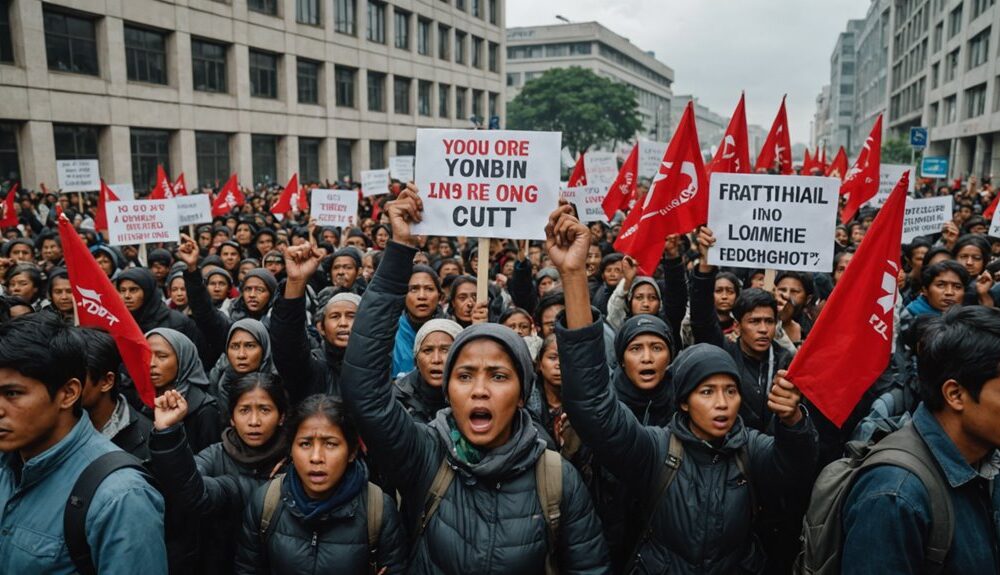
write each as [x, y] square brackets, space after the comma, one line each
[925, 216]
[889, 175]
[777, 222]
[587, 200]
[124, 192]
[336, 208]
[142, 222]
[601, 169]
[79, 175]
[194, 209]
[496, 184]
[401, 168]
[650, 156]
[374, 182]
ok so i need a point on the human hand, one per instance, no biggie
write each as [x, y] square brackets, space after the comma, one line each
[169, 409]
[481, 313]
[567, 241]
[705, 240]
[405, 210]
[784, 400]
[187, 252]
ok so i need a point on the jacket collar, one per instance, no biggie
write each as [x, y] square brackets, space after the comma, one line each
[49, 461]
[956, 469]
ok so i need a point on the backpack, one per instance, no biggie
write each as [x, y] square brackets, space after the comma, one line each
[272, 499]
[822, 530]
[548, 484]
[80, 498]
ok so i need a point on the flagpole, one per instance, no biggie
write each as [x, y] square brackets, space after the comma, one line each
[191, 232]
[142, 255]
[79, 198]
[482, 274]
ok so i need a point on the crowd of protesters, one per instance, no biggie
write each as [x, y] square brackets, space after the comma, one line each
[340, 400]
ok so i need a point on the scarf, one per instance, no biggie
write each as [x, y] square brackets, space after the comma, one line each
[466, 452]
[350, 485]
[650, 406]
[242, 453]
[520, 452]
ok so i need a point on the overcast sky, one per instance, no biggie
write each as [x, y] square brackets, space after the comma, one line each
[719, 47]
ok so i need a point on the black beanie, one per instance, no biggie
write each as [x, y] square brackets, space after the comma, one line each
[639, 325]
[696, 364]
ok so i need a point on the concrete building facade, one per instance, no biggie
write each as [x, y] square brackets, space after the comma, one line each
[821, 120]
[262, 88]
[871, 80]
[711, 126]
[842, 76]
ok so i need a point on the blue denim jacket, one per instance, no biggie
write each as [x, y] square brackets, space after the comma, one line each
[886, 517]
[124, 523]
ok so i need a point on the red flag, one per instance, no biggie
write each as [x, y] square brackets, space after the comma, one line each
[807, 163]
[8, 213]
[376, 211]
[229, 198]
[838, 167]
[677, 201]
[988, 213]
[101, 217]
[180, 186]
[849, 346]
[99, 305]
[579, 175]
[778, 146]
[284, 203]
[624, 186]
[163, 189]
[733, 155]
[303, 198]
[862, 180]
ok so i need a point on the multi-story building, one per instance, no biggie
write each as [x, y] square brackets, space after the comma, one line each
[842, 75]
[531, 51]
[821, 120]
[711, 126]
[262, 88]
[871, 83]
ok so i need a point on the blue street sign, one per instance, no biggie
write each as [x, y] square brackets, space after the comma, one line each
[934, 167]
[918, 137]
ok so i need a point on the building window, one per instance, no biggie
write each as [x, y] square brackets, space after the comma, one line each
[444, 42]
[443, 97]
[345, 159]
[263, 74]
[376, 154]
[345, 17]
[423, 37]
[932, 119]
[459, 47]
[406, 148]
[424, 90]
[477, 52]
[975, 101]
[525, 52]
[145, 55]
[980, 6]
[309, 159]
[460, 5]
[950, 65]
[477, 103]
[212, 151]
[307, 12]
[492, 57]
[402, 21]
[9, 161]
[208, 65]
[264, 152]
[935, 69]
[950, 110]
[346, 85]
[6, 47]
[75, 142]
[308, 81]
[494, 11]
[460, 110]
[376, 92]
[150, 148]
[401, 95]
[938, 36]
[979, 49]
[376, 22]
[71, 43]
[263, 6]
[955, 22]
[494, 111]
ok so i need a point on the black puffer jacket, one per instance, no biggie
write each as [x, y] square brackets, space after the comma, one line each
[490, 519]
[703, 523]
[134, 438]
[305, 371]
[420, 399]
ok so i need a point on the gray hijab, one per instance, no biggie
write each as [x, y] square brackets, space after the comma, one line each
[189, 369]
[223, 375]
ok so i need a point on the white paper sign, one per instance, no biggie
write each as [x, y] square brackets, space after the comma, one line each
[767, 221]
[79, 175]
[925, 216]
[995, 224]
[587, 200]
[401, 168]
[601, 169]
[124, 192]
[650, 157]
[142, 222]
[496, 183]
[374, 182]
[194, 209]
[889, 175]
[336, 208]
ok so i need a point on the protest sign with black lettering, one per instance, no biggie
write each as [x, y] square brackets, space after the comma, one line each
[142, 222]
[889, 175]
[336, 208]
[650, 157]
[587, 200]
[374, 182]
[770, 221]
[401, 168]
[601, 169]
[79, 175]
[496, 184]
[194, 209]
[925, 216]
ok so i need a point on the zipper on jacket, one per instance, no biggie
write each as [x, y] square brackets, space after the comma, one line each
[313, 542]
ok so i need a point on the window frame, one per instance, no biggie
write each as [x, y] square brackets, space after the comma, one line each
[137, 55]
[259, 74]
[212, 68]
[379, 98]
[74, 43]
[144, 164]
[214, 157]
[340, 98]
[375, 33]
[257, 152]
[317, 83]
[345, 23]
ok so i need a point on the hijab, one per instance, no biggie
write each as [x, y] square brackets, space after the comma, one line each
[189, 370]
[223, 376]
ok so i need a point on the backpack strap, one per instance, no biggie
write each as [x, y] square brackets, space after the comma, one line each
[80, 498]
[743, 464]
[442, 479]
[375, 508]
[272, 497]
[548, 482]
[671, 465]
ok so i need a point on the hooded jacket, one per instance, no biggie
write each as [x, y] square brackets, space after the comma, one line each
[239, 309]
[223, 376]
[304, 371]
[421, 400]
[672, 291]
[490, 519]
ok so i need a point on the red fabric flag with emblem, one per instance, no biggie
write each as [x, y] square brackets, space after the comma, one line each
[99, 305]
[8, 213]
[862, 180]
[579, 175]
[777, 149]
[677, 201]
[163, 189]
[988, 213]
[284, 203]
[228, 199]
[733, 155]
[838, 167]
[101, 217]
[624, 186]
[849, 346]
[180, 186]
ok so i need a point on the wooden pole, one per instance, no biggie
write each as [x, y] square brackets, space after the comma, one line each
[483, 273]
[191, 233]
[142, 255]
[79, 199]
[769, 279]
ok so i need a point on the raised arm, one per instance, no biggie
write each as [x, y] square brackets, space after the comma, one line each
[674, 286]
[289, 343]
[520, 286]
[704, 321]
[212, 323]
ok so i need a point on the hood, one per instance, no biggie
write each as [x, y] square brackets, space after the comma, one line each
[650, 406]
[189, 370]
[265, 276]
[506, 337]
[735, 440]
[638, 281]
[697, 363]
[152, 312]
[640, 325]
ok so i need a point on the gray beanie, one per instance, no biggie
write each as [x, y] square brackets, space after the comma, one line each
[443, 325]
[506, 337]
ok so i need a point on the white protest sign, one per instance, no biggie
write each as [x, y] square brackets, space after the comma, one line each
[496, 183]
[79, 175]
[995, 224]
[650, 157]
[374, 182]
[401, 168]
[889, 175]
[601, 169]
[142, 222]
[768, 221]
[337, 208]
[587, 200]
[194, 209]
[925, 216]
[124, 192]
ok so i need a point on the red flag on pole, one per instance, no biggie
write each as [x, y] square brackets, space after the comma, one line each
[284, 203]
[163, 189]
[862, 180]
[777, 150]
[180, 186]
[8, 213]
[579, 175]
[733, 155]
[849, 346]
[230, 197]
[838, 167]
[807, 163]
[303, 198]
[988, 213]
[99, 305]
[101, 217]
[624, 186]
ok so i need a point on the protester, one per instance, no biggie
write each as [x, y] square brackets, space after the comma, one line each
[420, 390]
[422, 298]
[248, 351]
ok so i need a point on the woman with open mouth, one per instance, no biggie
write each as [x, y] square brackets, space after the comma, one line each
[477, 483]
[420, 390]
[248, 350]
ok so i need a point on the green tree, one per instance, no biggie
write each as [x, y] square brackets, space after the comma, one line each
[896, 151]
[588, 109]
